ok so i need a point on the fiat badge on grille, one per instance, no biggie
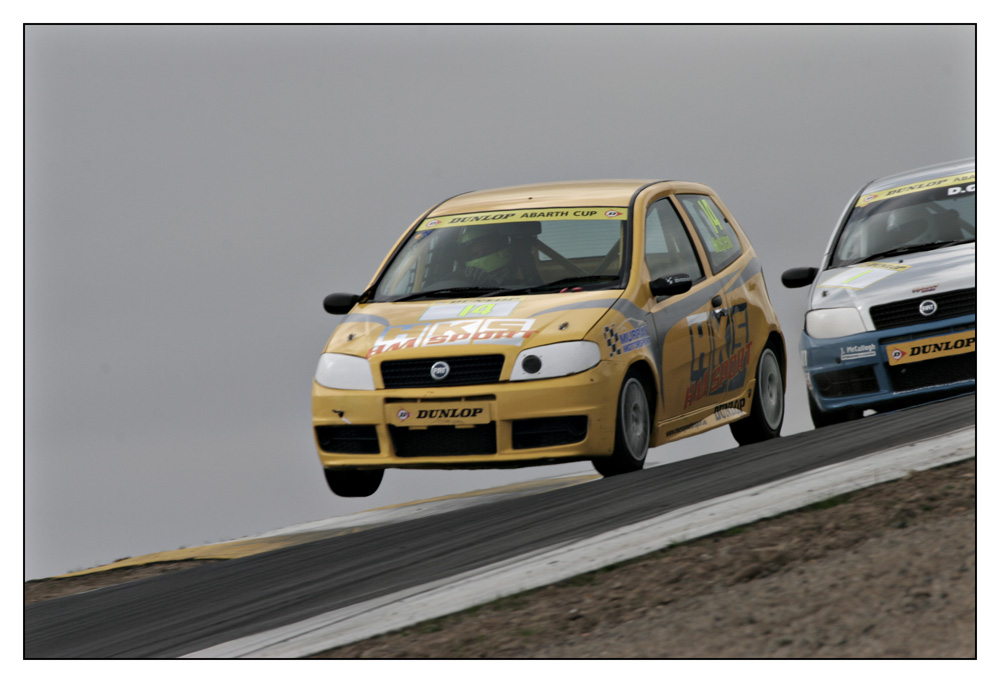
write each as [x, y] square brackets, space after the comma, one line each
[928, 307]
[440, 370]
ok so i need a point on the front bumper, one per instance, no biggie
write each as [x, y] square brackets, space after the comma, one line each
[855, 372]
[534, 422]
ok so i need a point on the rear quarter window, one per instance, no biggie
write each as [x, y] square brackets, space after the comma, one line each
[716, 234]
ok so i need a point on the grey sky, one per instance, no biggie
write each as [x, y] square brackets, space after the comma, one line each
[192, 193]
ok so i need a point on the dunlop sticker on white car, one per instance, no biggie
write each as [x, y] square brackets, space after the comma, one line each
[935, 347]
[968, 179]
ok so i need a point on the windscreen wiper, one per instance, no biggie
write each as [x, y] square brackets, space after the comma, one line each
[576, 280]
[447, 291]
[914, 248]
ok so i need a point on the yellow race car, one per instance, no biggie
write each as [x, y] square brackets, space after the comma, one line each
[548, 323]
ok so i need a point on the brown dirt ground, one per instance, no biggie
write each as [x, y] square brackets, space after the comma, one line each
[886, 572]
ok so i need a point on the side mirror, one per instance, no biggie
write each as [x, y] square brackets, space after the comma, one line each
[340, 304]
[670, 285]
[794, 278]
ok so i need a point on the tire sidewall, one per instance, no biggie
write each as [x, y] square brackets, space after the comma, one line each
[755, 427]
[631, 385]
[770, 357]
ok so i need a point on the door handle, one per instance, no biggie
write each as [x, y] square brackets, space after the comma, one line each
[717, 305]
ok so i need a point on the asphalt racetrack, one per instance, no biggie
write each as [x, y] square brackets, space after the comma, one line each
[179, 613]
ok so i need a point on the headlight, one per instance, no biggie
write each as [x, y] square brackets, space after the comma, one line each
[555, 360]
[339, 371]
[833, 322]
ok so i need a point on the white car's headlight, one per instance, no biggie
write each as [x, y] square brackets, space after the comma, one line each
[555, 360]
[340, 371]
[824, 323]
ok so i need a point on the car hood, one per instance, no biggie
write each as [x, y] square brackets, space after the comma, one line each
[864, 285]
[421, 329]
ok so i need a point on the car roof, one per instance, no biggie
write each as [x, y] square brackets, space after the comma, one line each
[573, 193]
[924, 173]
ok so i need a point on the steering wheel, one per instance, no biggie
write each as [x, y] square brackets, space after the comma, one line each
[448, 283]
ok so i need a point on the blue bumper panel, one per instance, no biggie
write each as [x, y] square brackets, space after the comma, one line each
[854, 372]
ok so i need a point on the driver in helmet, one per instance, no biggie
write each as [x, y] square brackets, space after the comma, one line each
[908, 225]
[486, 257]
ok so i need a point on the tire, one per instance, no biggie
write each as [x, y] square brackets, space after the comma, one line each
[831, 417]
[767, 409]
[353, 483]
[632, 429]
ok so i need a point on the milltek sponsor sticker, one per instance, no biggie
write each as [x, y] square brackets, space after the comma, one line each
[935, 347]
[508, 331]
[856, 352]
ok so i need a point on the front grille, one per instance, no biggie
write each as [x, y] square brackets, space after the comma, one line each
[846, 382]
[885, 341]
[444, 440]
[901, 313]
[933, 372]
[464, 370]
[545, 432]
[348, 439]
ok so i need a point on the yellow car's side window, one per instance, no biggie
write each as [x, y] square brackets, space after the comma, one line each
[668, 247]
[720, 240]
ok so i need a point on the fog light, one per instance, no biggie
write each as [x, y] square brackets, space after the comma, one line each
[531, 364]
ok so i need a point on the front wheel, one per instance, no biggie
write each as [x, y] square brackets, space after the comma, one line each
[767, 409]
[631, 431]
[353, 483]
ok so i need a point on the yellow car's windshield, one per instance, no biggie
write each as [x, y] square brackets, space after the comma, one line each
[500, 252]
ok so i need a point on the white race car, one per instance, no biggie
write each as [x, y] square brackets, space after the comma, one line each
[891, 318]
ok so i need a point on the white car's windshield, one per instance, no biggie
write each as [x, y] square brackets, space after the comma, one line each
[911, 222]
[500, 252]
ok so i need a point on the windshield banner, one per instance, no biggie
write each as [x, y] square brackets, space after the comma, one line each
[575, 213]
[963, 179]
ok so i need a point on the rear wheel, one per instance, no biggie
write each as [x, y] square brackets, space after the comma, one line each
[632, 430]
[831, 417]
[353, 483]
[767, 408]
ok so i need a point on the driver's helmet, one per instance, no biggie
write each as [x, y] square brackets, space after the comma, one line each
[898, 218]
[908, 223]
[485, 248]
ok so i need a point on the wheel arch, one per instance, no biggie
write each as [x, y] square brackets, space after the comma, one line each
[642, 369]
[777, 341]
